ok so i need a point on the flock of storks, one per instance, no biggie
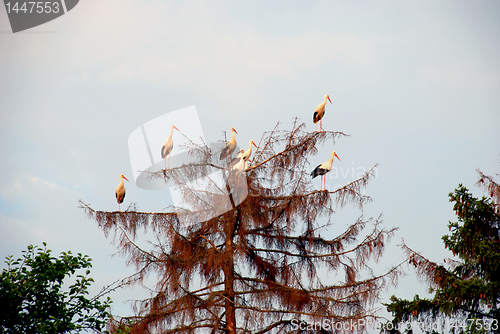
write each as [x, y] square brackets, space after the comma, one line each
[240, 162]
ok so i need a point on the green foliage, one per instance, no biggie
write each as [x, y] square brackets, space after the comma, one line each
[32, 299]
[467, 289]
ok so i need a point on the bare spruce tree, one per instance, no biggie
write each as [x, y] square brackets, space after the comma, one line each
[261, 266]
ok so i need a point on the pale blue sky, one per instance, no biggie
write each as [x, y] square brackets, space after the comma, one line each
[415, 84]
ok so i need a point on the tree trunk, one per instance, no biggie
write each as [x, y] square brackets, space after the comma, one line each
[229, 279]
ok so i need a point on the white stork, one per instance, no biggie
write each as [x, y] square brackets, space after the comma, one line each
[319, 112]
[166, 149]
[324, 168]
[228, 150]
[120, 191]
[237, 165]
[247, 153]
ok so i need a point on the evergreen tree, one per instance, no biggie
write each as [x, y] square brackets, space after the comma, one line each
[467, 290]
[261, 266]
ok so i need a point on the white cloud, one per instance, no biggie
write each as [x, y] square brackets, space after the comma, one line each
[21, 185]
[12, 189]
[42, 182]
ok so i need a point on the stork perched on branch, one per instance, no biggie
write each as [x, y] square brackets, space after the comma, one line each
[167, 147]
[324, 168]
[228, 150]
[247, 153]
[120, 191]
[319, 112]
[237, 165]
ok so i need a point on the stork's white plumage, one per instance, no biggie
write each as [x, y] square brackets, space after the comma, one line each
[324, 168]
[248, 152]
[167, 147]
[319, 112]
[228, 150]
[245, 155]
[120, 191]
[237, 165]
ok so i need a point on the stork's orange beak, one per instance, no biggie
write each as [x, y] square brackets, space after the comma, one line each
[176, 128]
[330, 102]
[125, 178]
[235, 130]
[254, 144]
[336, 156]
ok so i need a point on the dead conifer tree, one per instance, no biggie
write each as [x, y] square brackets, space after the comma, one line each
[259, 267]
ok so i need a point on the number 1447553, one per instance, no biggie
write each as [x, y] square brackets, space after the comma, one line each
[30, 7]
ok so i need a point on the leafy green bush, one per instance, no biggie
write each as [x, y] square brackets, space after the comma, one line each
[32, 298]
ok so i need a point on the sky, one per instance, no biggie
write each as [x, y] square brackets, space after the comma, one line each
[415, 85]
